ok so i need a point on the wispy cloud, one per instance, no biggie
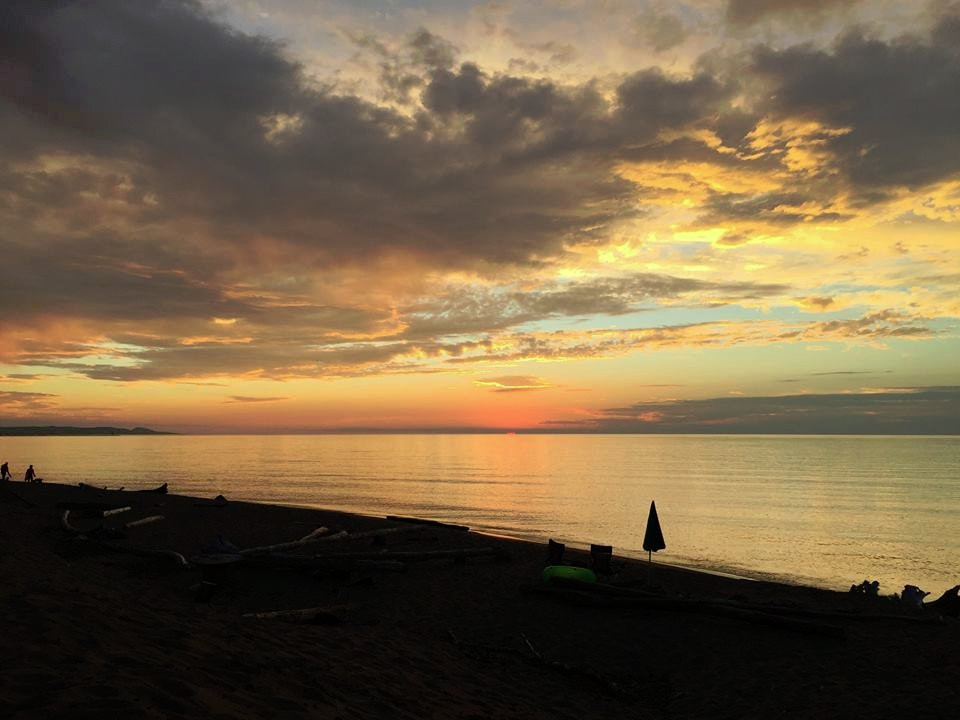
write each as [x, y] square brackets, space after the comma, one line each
[250, 399]
[513, 383]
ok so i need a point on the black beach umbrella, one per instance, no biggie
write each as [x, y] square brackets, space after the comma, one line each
[653, 537]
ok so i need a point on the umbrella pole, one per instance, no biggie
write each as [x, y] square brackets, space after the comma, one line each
[649, 564]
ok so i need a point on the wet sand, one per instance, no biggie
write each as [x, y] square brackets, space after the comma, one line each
[92, 632]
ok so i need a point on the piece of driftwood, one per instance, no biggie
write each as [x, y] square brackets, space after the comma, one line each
[432, 523]
[331, 564]
[85, 486]
[218, 502]
[616, 591]
[313, 537]
[70, 527]
[422, 556]
[314, 615]
[368, 534]
[143, 521]
[533, 656]
[168, 555]
[703, 607]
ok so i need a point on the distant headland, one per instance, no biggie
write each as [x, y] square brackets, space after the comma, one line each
[69, 430]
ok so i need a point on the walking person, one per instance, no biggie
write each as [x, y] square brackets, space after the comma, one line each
[4, 471]
[29, 475]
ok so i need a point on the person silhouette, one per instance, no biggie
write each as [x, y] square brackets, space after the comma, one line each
[29, 475]
[4, 472]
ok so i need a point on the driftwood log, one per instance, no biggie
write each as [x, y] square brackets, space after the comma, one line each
[702, 607]
[828, 615]
[170, 556]
[86, 486]
[319, 534]
[421, 555]
[331, 564]
[534, 657]
[431, 523]
[316, 615]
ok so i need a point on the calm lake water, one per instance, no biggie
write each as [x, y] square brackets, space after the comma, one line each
[827, 511]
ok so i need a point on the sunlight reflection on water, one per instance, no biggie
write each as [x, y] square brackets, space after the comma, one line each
[823, 510]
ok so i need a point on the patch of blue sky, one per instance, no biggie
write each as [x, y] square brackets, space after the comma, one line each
[650, 317]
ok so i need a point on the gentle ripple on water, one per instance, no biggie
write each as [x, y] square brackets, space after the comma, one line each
[827, 510]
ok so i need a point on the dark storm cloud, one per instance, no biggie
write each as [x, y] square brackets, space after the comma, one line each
[229, 133]
[160, 170]
[898, 98]
[903, 411]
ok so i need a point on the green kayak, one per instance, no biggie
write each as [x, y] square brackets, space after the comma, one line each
[568, 572]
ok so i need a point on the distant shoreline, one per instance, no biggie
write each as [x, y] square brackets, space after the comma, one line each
[65, 430]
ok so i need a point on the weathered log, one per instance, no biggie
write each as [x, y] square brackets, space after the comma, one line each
[366, 534]
[421, 556]
[536, 658]
[70, 527]
[143, 521]
[320, 616]
[432, 523]
[85, 486]
[168, 555]
[616, 591]
[329, 564]
[315, 536]
[703, 607]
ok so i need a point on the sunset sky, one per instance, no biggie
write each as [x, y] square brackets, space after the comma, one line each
[295, 215]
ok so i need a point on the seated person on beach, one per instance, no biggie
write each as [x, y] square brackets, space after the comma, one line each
[4, 472]
[29, 475]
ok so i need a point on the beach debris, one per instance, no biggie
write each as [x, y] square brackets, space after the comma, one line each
[457, 555]
[217, 502]
[143, 521]
[314, 615]
[160, 490]
[555, 552]
[220, 544]
[315, 536]
[98, 514]
[214, 566]
[601, 595]
[432, 523]
[100, 532]
[867, 588]
[98, 489]
[533, 656]
[327, 564]
[912, 596]
[168, 555]
[947, 604]
[586, 593]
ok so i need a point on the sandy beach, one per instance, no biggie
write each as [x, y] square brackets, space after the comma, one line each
[92, 631]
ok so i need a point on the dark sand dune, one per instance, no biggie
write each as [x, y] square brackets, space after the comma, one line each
[89, 632]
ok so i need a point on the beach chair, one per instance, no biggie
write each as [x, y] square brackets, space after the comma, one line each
[600, 557]
[555, 552]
